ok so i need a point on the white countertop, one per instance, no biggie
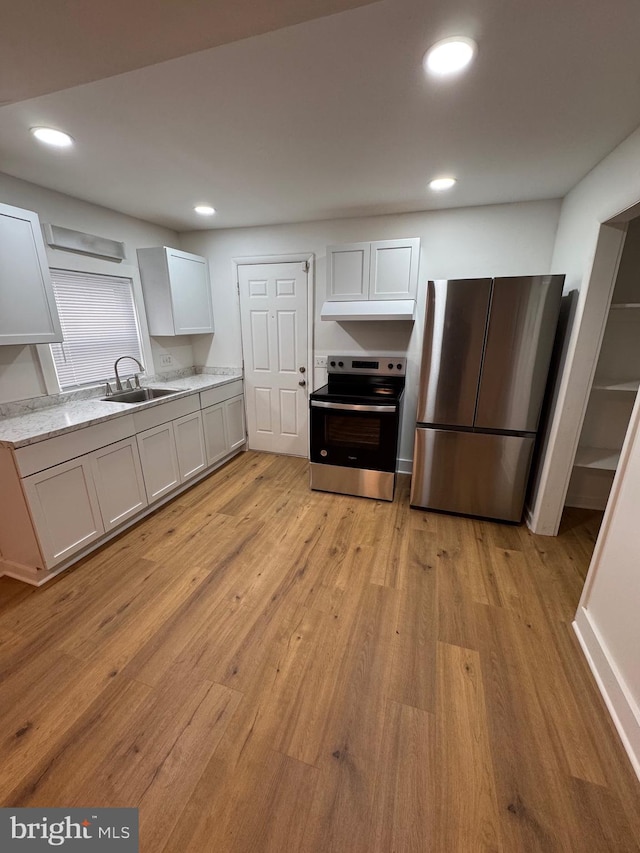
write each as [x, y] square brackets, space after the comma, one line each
[38, 425]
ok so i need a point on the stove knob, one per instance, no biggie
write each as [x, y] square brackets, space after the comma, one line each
[341, 364]
[333, 364]
[390, 366]
[399, 366]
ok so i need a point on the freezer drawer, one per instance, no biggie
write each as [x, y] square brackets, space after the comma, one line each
[471, 473]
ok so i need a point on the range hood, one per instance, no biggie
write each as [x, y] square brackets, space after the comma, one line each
[379, 309]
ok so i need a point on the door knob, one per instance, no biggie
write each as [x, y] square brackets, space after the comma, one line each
[303, 370]
[302, 383]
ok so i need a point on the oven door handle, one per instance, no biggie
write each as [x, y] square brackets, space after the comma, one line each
[351, 407]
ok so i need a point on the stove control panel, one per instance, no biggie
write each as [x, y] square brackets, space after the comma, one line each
[388, 365]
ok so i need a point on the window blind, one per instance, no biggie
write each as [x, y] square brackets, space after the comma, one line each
[99, 324]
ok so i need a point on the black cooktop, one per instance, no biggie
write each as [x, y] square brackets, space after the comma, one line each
[362, 389]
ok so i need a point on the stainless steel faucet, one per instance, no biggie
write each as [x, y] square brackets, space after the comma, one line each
[115, 368]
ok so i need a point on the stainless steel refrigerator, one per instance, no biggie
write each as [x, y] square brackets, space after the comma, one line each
[486, 353]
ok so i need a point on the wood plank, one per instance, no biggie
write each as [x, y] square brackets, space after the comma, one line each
[403, 817]
[466, 802]
[530, 777]
[262, 804]
[351, 746]
[413, 679]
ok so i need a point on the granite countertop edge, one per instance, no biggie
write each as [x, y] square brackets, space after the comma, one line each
[25, 429]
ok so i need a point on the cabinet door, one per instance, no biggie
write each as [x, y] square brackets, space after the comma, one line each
[159, 460]
[348, 272]
[189, 445]
[234, 412]
[119, 483]
[394, 269]
[190, 293]
[64, 507]
[28, 313]
[215, 433]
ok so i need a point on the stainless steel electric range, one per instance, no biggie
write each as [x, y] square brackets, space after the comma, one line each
[355, 426]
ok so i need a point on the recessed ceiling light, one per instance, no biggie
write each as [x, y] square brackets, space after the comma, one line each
[52, 137]
[441, 184]
[449, 55]
[205, 210]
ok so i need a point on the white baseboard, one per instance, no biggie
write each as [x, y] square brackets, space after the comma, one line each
[624, 711]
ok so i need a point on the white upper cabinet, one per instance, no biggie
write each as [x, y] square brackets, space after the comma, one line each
[384, 270]
[28, 313]
[348, 272]
[177, 292]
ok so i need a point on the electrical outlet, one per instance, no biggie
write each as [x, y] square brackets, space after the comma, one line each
[166, 360]
[320, 361]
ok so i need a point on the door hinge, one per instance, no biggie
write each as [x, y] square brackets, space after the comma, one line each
[305, 266]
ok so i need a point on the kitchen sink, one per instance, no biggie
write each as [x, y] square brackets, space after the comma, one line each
[139, 395]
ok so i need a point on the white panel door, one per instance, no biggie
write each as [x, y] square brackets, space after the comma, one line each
[119, 483]
[189, 445]
[159, 460]
[64, 507]
[273, 311]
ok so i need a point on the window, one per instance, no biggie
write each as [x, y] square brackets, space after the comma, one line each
[99, 324]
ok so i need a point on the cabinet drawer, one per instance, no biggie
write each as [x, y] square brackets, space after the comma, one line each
[53, 451]
[223, 392]
[149, 418]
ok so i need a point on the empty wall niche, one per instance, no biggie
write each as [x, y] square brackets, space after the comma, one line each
[614, 388]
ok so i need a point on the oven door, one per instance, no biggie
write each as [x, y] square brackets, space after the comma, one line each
[354, 435]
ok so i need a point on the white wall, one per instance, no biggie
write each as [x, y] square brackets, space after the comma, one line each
[20, 374]
[514, 239]
[611, 187]
[607, 621]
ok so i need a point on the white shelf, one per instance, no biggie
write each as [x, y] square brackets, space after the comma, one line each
[623, 305]
[630, 386]
[602, 458]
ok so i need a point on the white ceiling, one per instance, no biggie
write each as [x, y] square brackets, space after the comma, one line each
[334, 117]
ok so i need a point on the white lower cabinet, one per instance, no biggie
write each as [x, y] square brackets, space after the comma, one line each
[215, 433]
[189, 445]
[237, 433]
[224, 428]
[64, 507]
[159, 460]
[118, 479]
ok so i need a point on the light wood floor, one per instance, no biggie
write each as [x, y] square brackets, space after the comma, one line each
[262, 668]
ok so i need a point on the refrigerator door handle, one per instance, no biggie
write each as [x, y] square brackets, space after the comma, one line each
[349, 407]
